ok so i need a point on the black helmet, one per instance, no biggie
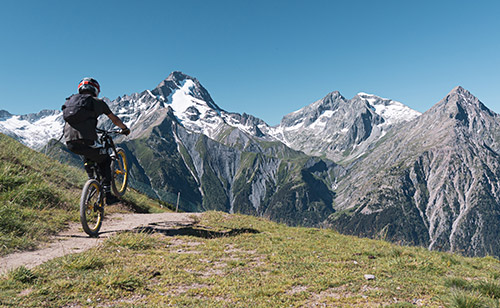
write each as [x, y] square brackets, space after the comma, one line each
[90, 85]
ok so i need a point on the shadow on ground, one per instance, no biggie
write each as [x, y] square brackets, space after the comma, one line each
[192, 230]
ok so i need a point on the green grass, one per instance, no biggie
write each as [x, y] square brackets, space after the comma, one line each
[140, 203]
[39, 196]
[242, 261]
[224, 261]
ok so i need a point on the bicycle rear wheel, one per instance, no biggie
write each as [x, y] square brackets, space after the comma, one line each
[119, 172]
[91, 208]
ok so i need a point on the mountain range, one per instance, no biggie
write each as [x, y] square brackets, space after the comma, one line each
[367, 166]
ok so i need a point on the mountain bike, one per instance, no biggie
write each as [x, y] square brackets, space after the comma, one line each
[92, 199]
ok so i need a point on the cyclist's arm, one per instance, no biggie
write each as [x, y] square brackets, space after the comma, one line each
[116, 120]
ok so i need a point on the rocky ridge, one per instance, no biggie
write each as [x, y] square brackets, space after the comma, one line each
[341, 129]
[429, 179]
[433, 182]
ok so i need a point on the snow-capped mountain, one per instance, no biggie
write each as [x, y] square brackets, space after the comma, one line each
[430, 179]
[392, 111]
[339, 128]
[185, 96]
[333, 126]
[435, 182]
[189, 101]
[35, 129]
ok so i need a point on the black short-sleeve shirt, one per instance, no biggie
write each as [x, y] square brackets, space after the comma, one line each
[86, 129]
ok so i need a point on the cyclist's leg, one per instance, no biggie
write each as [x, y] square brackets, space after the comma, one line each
[93, 155]
[103, 161]
[88, 164]
[105, 167]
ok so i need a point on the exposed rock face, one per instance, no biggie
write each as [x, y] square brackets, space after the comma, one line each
[240, 177]
[430, 179]
[4, 114]
[341, 129]
[177, 80]
[183, 142]
[433, 182]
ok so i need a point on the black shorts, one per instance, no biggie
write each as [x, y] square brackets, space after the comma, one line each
[83, 147]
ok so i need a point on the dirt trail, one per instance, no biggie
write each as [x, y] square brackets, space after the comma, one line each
[75, 240]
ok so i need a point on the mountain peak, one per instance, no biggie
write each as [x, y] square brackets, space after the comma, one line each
[178, 76]
[458, 89]
[334, 95]
[363, 94]
[461, 109]
[172, 81]
[459, 95]
[463, 93]
[4, 114]
[177, 80]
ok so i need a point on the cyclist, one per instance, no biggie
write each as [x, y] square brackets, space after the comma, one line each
[80, 113]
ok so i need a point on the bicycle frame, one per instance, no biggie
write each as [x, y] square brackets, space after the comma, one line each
[107, 141]
[107, 144]
[93, 195]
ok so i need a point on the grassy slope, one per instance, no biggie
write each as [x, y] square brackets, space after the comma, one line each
[242, 261]
[39, 196]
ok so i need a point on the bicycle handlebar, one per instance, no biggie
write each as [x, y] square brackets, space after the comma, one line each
[108, 131]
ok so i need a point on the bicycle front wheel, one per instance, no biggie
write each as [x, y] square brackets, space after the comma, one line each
[91, 208]
[119, 172]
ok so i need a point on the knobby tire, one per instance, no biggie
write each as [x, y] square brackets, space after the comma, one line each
[119, 170]
[91, 208]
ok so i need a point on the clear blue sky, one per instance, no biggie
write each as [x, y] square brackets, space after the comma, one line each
[266, 58]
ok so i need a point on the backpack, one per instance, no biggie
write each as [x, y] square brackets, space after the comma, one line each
[78, 108]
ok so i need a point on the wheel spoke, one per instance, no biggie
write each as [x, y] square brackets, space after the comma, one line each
[120, 173]
[91, 210]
